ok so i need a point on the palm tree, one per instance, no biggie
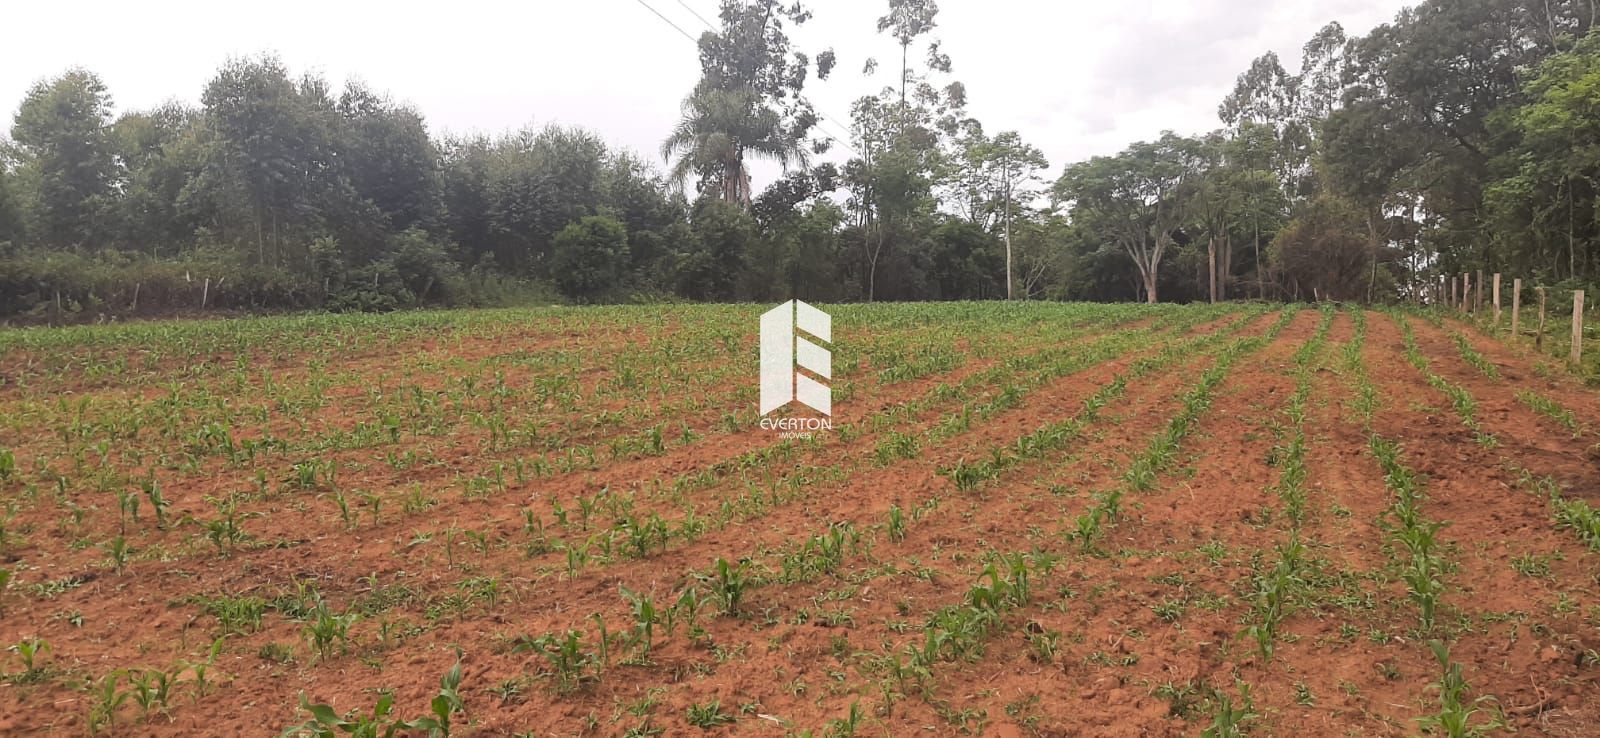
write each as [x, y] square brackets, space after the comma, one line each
[718, 129]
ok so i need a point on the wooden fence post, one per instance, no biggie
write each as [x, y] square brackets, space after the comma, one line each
[1477, 300]
[1516, 306]
[1577, 328]
[1497, 301]
[1538, 338]
[1452, 303]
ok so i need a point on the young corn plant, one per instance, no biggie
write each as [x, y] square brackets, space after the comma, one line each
[201, 668]
[565, 654]
[117, 548]
[152, 688]
[1455, 716]
[645, 535]
[1418, 536]
[325, 629]
[1273, 593]
[31, 652]
[325, 722]
[645, 619]
[1422, 575]
[897, 524]
[224, 532]
[1579, 517]
[444, 705]
[107, 698]
[1473, 357]
[728, 583]
[152, 492]
[708, 716]
[1230, 719]
[1551, 409]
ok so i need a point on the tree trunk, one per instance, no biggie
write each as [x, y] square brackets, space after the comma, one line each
[1150, 285]
[1225, 268]
[730, 182]
[903, 48]
[1010, 293]
[1261, 282]
[1211, 266]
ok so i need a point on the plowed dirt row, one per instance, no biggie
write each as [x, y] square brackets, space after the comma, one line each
[857, 547]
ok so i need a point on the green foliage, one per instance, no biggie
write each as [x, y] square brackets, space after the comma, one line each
[1230, 719]
[566, 655]
[325, 722]
[589, 257]
[30, 651]
[708, 715]
[1455, 716]
[326, 629]
[728, 584]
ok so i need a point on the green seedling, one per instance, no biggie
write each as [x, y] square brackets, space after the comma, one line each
[444, 705]
[31, 651]
[103, 711]
[728, 583]
[1455, 716]
[897, 524]
[327, 629]
[1229, 720]
[708, 716]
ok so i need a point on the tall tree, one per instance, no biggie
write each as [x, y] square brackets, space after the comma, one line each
[1135, 198]
[270, 158]
[160, 154]
[67, 152]
[748, 101]
[991, 175]
[908, 20]
[900, 136]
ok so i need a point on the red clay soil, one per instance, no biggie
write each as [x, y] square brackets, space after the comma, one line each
[1151, 621]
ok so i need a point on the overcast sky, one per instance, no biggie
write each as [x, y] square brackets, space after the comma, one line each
[1076, 77]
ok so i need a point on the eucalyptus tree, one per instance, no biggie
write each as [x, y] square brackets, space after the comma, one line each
[990, 175]
[389, 158]
[900, 135]
[907, 20]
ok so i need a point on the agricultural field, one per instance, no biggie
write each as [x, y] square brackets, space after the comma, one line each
[1027, 519]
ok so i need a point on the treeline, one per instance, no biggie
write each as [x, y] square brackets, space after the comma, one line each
[281, 193]
[1461, 136]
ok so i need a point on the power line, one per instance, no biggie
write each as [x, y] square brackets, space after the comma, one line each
[695, 14]
[667, 20]
[830, 136]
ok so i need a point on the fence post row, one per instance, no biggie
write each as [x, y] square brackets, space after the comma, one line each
[1466, 296]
